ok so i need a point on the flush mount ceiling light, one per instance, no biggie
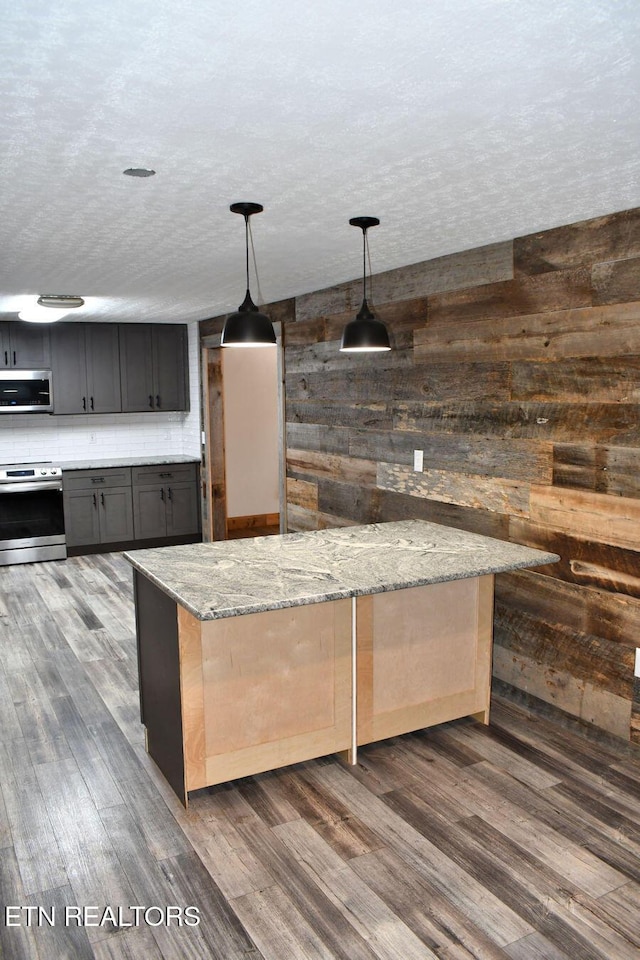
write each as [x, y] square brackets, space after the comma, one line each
[138, 172]
[248, 327]
[50, 307]
[365, 334]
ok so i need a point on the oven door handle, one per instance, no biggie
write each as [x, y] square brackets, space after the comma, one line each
[31, 487]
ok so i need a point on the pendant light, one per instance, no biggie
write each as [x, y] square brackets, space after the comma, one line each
[248, 327]
[365, 334]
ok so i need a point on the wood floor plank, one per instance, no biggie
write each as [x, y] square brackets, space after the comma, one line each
[482, 907]
[61, 940]
[385, 932]
[424, 908]
[16, 942]
[36, 849]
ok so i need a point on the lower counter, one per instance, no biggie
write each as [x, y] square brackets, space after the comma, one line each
[231, 697]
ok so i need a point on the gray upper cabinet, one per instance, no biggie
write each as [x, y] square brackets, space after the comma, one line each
[153, 367]
[85, 368]
[24, 345]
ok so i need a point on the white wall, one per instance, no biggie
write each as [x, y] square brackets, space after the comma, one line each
[250, 387]
[28, 437]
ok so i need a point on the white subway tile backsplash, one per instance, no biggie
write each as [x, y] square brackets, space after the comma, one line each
[26, 437]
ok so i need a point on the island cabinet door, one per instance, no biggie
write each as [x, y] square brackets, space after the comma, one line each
[264, 690]
[423, 657]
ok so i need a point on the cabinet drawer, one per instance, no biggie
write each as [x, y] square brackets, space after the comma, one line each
[166, 473]
[92, 479]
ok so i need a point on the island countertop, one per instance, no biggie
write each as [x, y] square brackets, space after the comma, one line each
[233, 577]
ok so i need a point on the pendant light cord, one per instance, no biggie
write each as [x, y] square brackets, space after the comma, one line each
[255, 268]
[364, 265]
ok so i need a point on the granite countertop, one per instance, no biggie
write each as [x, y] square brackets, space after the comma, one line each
[233, 577]
[102, 463]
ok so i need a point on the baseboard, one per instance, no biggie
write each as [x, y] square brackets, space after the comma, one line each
[255, 520]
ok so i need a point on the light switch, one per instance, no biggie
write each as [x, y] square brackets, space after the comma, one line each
[636, 672]
[418, 460]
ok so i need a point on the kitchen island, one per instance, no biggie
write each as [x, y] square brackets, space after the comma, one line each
[254, 654]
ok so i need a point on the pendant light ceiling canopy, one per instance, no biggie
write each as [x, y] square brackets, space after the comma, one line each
[247, 327]
[365, 334]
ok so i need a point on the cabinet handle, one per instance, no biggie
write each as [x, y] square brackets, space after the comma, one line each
[170, 494]
[14, 359]
[95, 501]
[6, 358]
[92, 406]
[162, 493]
[102, 498]
[97, 479]
[166, 476]
[158, 400]
[84, 403]
[151, 401]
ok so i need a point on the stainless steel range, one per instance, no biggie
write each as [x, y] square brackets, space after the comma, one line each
[31, 513]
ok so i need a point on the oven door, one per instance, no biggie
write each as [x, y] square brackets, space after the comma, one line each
[31, 522]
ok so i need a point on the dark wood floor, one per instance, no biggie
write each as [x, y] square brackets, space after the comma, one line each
[517, 841]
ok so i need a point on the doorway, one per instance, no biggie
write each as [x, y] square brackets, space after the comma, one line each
[243, 437]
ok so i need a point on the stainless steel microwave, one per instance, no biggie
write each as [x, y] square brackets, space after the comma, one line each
[25, 391]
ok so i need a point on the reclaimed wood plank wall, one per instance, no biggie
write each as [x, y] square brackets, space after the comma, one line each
[516, 369]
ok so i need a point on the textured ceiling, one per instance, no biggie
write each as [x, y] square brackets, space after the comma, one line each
[457, 122]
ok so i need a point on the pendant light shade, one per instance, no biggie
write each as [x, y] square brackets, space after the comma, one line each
[247, 327]
[365, 334]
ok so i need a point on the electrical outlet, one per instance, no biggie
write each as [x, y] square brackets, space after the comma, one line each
[418, 460]
[93, 438]
[636, 672]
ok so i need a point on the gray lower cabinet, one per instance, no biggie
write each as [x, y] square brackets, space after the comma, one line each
[24, 344]
[123, 505]
[98, 506]
[165, 501]
[85, 365]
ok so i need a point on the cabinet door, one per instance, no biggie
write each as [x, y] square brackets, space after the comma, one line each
[116, 514]
[5, 344]
[136, 367]
[103, 367]
[149, 512]
[29, 346]
[69, 368]
[183, 509]
[81, 517]
[170, 367]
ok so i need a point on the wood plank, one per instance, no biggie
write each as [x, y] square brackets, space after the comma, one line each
[576, 380]
[556, 647]
[424, 909]
[373, 416]
[616, 281]
[591, 516]
[511, 459]
[479, 904]
[215, 489]
[521, 296]
[368, 913]
[607, 331]
[612, 237]
[603, 469]
[347, 469]
[299, 519]
[581, 561]
[302, 493]
[315, 436]
[453, 271]
[614, 423]
[599, 613]
[370, 382]
[496, 494]
[576, 697]
[254, 520]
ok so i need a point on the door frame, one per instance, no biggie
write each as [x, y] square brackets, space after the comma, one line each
[214, 484]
